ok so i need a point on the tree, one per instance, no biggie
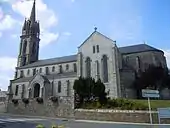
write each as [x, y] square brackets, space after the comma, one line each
[87, 90]
[155, 77]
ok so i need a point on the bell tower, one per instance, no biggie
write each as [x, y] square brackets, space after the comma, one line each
[29, 44]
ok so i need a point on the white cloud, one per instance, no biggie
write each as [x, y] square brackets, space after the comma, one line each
[7, 22]
[47, 38]
[0, 34]
[167, 55]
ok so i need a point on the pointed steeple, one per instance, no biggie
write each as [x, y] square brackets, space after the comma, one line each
[33, 16]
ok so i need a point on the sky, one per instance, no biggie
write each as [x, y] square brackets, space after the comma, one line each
[65, 24]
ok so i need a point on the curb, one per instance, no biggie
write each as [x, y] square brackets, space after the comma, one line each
[85, 121]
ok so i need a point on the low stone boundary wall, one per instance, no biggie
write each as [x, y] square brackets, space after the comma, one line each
[118, 115]
[47, 108]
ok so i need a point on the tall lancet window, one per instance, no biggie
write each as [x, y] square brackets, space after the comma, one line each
[105, 69]
[97, 69]
[138, 65]
[68, 88]
[88, 67]
[24, 46]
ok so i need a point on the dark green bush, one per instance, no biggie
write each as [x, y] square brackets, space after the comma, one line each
[39, 100]
[25, 100]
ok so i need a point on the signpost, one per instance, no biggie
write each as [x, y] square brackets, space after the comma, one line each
[150, 94]
[163, 113]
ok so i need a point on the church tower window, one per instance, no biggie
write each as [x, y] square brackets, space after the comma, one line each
[25, 47]
[59, 86]
[88, 67]
[105, 69]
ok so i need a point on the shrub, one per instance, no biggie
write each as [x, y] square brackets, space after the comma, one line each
[54, 99]
[39, 100]
[25, 100]
[15, 101]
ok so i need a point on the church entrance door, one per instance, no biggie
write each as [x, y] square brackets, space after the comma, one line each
[36, 90]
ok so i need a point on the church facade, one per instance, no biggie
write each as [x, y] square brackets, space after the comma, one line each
[98, 57]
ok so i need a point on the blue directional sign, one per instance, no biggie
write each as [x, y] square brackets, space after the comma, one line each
[164, 112]
[150, 93]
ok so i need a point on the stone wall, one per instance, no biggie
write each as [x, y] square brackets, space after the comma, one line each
[62, 108]
[118, 115]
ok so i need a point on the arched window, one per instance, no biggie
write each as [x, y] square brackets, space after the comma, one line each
[75, 67]
[24, 46]
[16, 90]
[47, 70]
[23, 91]
[68, 88]
[40, 70]
[28, 72]
[67, 67]
[97, 69]
[60, 69]
[59, 86]
[34, 48]
[88, 67]
[53, 68]
[105, 68]
[138, 63]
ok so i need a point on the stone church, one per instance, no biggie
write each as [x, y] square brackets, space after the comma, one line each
[98, 57]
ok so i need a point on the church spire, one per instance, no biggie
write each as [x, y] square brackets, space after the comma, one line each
[33, 16]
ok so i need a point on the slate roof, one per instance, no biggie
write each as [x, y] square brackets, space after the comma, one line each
[137, 48]
[65, 59]
[58, 60]
[47, 77]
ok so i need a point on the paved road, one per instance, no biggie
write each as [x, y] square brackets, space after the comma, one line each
[18, 122]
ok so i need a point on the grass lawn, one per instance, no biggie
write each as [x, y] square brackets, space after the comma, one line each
[155, 103]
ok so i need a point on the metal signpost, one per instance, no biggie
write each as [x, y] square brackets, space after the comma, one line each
[150, 94]
[163, 113]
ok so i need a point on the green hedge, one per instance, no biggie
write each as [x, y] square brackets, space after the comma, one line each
[123, 104]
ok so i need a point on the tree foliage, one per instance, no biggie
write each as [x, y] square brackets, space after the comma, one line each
[88, 90]
[155, 77]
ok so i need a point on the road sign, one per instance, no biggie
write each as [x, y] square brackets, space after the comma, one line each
[163, 113]
[150, 93]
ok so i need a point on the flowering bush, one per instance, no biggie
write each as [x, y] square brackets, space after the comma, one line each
[39, 100]
[25, 100]
[15, 101]
[54, 99]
